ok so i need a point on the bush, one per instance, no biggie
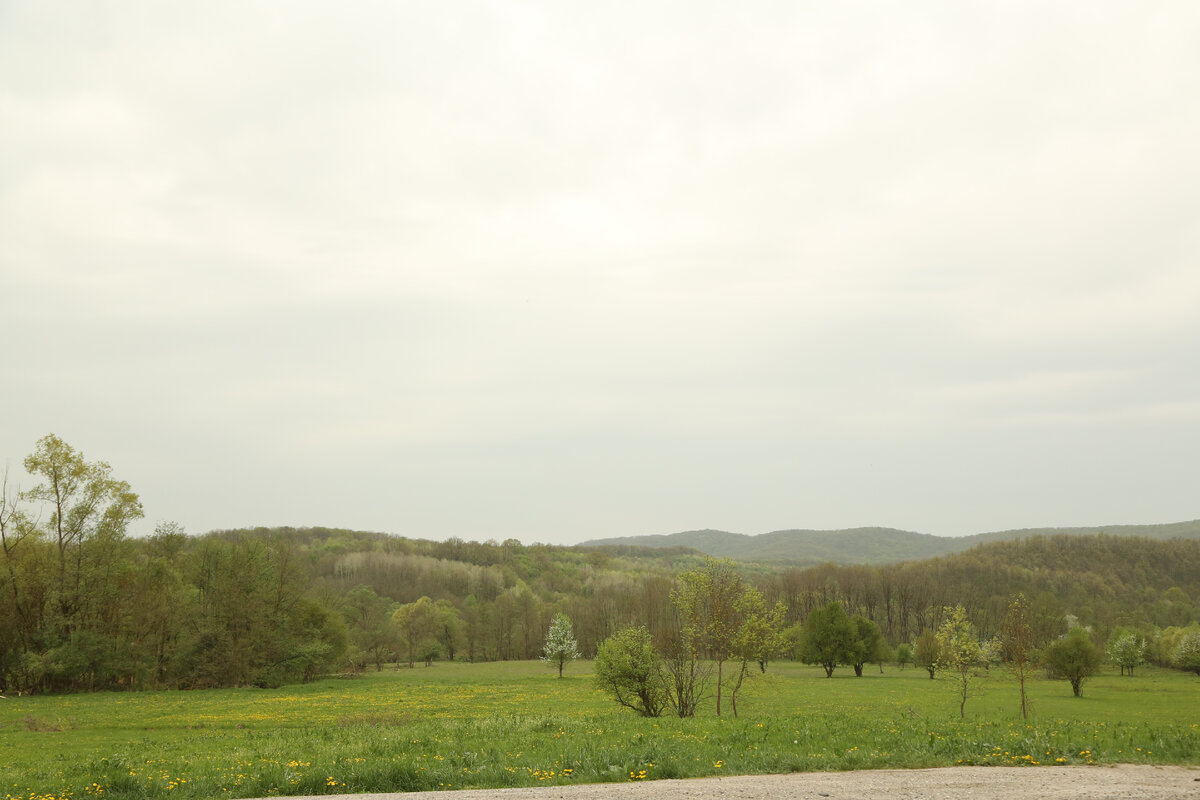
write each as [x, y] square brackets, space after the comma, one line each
[628, 667]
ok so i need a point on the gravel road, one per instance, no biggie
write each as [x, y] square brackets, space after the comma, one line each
[1122, 782]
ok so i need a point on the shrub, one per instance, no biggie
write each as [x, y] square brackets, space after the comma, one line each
[628, 667]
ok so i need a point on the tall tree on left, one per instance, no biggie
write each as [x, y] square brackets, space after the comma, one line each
[85, 501]
[89, 512]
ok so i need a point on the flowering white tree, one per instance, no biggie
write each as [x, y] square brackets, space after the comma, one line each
[1187, 652]
[560, 646]
[1127, 650]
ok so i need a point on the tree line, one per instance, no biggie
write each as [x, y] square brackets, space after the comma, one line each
[84, 606]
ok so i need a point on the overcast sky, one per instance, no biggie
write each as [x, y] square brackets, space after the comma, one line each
[563, 270]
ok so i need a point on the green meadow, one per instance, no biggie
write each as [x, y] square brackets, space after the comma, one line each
[516, 724]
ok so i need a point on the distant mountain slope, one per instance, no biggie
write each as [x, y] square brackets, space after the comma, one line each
[865, 545]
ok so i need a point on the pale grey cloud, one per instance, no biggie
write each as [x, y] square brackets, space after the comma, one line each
[558, 270]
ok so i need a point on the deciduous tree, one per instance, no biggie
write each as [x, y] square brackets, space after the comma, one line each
[926, 652]
[829, 637]
[628, 667]
[371, 626]
[1016, 636]
[1127, 650]
[417, 624]
[868, 645]
[86, 503]
[560, 647]
[759, 637]
[1074, 657]
[707, 599]
[1186, 653]
[959, 651]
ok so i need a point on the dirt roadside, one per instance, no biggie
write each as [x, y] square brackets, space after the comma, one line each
[1120, 782]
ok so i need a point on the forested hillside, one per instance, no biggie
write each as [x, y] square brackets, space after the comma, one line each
[83, 606]
[1101, 581]
[867, 545]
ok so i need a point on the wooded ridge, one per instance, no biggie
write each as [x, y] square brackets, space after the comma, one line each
[866, 545]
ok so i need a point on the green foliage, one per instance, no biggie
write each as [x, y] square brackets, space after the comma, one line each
[958, 651]
[904, 654]
[417, 624]
[373, 636]
[793, 641]
[85, 607]
[724, 618]
[560, 647]
[707, 599]
[628, 667]
[1104, 580]
[868, 645]
[830, 638]
[761, 637]
[1186, 653]
[1017, 642]
[927, 652]
[1074, 657]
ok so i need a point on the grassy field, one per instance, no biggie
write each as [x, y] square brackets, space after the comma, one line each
[513, 724]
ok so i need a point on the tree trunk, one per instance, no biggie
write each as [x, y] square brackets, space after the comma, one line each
[720, 664]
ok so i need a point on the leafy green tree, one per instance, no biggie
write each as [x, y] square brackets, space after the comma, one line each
[251, 622]
[1127, 650]
[417, 625]
[829, 638]
[926, 652]
[707, 599]
[448, 629]
[762, 637]
[319, 640]
[1017, 639]
[793, 640]
[560, 647]
[904, 654]
[868, 645]
[372, 632]
[628, 667]
[1074, 657]
[759, 637]
[89, 513]
[959, 651]
[1161, 648]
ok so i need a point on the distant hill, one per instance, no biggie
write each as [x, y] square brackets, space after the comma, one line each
[864, 545]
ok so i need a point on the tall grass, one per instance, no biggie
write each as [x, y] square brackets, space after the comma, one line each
[515, 724]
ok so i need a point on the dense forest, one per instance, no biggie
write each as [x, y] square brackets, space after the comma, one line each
[83, 606]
